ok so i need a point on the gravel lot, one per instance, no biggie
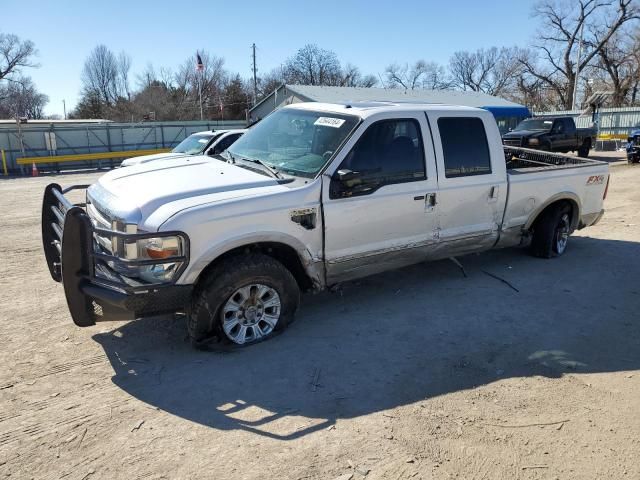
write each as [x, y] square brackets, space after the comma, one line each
[417, 373]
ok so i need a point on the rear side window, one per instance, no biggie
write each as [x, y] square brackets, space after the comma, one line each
[465, 147]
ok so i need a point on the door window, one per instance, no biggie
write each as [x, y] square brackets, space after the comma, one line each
[465, 147]
[389, 151]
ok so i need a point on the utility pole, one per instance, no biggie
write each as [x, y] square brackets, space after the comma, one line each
[255, 78]
[64, 108]
[575, 82]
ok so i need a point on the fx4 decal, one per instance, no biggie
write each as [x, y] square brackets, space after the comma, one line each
[596, 179]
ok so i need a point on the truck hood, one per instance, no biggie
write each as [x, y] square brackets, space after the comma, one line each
[150, 158]
[135, 193]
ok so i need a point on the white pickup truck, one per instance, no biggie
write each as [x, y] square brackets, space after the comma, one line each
[313, 195]
[210, 142]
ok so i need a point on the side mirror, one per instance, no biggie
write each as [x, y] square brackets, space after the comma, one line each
[346, 175]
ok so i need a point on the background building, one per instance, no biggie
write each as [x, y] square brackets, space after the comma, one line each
[507, 113]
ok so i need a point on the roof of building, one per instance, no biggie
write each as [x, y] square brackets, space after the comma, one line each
[360, 94]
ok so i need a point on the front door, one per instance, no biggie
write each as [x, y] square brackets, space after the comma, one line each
[380, 214]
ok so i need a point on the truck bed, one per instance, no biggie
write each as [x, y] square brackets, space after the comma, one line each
[535, 177]
[526, 160]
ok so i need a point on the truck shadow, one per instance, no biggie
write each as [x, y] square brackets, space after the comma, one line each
[396, 339]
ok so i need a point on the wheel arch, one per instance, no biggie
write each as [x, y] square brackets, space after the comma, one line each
[307, 271]
[564, 197]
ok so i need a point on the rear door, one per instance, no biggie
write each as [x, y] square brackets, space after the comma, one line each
[384, 217]
[472, 185]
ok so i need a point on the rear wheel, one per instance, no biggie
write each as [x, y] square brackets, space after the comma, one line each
[583, 151]
[243, 300]
[551, 232]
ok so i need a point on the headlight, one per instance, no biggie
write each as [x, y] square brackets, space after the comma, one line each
[534, 141]
[158, 273]
[160, 249]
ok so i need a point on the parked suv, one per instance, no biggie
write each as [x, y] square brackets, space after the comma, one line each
[552, 134]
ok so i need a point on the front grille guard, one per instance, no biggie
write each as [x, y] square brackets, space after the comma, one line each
[70, 246]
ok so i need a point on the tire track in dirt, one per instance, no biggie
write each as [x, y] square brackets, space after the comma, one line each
[57, 369]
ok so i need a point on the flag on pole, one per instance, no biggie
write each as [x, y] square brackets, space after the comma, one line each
[199, 64]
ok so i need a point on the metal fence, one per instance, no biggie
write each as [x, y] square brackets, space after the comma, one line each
[611, 123]
[62, 138]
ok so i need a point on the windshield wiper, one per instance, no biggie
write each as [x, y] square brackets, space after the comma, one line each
[267, 167]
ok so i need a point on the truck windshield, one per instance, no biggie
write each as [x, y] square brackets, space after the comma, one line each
[194, 144]
[296, 142]
[534, 124]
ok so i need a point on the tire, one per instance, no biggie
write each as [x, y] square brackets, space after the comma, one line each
[242, 294]
[583, 151]
[551, 232]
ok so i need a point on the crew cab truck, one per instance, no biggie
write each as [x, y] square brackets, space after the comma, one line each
[313, 195]
[551, 134]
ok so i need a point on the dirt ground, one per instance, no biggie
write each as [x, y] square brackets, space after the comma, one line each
[419, 373]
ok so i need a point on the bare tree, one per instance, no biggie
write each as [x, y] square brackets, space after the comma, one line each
[562, 23]
[421, 74]
[211, 80]
[493, 71]
[123, 68]
[312, 65]
[269, 82]
[618, 62]
[100, 75]
[350, 76]
[20, 98]
[15, 54]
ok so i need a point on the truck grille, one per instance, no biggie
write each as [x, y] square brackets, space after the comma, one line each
[99, 221]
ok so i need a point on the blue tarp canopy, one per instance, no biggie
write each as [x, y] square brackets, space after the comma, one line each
[509, 111]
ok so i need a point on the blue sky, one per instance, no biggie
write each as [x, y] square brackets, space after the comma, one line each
[370, 34]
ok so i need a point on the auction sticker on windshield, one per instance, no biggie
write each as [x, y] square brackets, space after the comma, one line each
[329, 122]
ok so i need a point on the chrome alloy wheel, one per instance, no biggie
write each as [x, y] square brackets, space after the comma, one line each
[562, 233]
[251, 313]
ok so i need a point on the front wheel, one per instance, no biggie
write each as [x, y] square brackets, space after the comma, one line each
[551, 232]
[243, 300]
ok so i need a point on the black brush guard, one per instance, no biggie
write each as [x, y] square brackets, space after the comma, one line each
[68, 241]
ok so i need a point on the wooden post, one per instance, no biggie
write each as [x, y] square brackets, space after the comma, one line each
[4, 164]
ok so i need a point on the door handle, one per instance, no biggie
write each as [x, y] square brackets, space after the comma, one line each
[430, 202]
[493, 193]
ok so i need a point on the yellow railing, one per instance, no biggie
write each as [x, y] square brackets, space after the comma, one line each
[88, 156]
[612, 136]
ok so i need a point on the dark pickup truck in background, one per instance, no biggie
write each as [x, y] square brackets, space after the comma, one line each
[552, 134]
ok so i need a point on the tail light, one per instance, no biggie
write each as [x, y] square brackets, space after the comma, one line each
[606, 189]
